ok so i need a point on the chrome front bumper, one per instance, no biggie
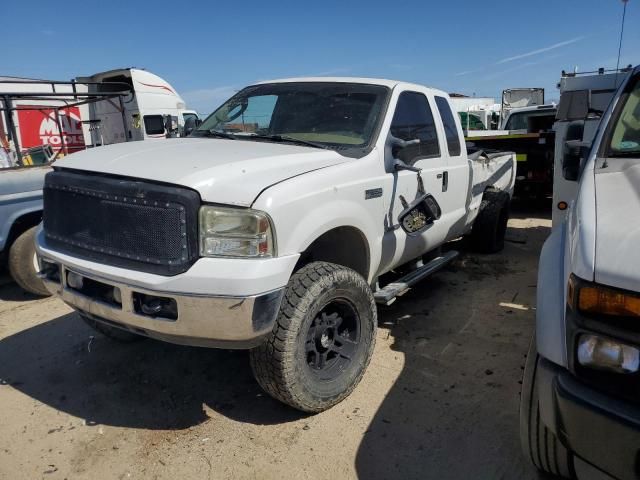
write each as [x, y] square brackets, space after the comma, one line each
[202, 320]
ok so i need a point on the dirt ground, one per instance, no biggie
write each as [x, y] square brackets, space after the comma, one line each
[439, 400]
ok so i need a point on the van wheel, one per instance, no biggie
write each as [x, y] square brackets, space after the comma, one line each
[23, 264]
[112, 333]
[539, 444]
[322, 341]
[490, 226]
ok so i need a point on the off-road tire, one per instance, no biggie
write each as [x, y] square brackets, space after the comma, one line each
[540, 444]
[112, 333]
[280, 363]
[21, 264]
[490, 226]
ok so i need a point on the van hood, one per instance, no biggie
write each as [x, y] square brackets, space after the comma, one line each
[617, 256]
[223, 171]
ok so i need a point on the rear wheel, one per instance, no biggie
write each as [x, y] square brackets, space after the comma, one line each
[322, 341]
[23, 264]
[112, 333]
[490, 226]
[539, 443]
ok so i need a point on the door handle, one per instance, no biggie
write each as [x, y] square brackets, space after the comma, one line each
[445, 180]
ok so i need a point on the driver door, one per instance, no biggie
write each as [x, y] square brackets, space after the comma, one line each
[413, 120]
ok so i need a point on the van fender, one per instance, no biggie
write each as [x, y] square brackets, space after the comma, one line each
[550, 301]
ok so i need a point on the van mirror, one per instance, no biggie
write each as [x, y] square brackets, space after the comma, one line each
[190, 124]
[574, 105]
[574, 153]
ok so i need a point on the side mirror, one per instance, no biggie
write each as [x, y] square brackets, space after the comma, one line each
[190, 124]
[574, 152]
[400, 165]
[398, 144]
[419, 215]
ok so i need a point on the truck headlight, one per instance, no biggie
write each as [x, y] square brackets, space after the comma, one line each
[591, 298]
[235, 232]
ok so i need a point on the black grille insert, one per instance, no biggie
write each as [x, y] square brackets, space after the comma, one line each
[122, 222]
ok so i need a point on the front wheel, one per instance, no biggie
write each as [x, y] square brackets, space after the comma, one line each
[23, 264]
[322, 341]
[539, 444]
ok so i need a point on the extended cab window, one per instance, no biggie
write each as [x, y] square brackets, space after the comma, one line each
[625, 136]
[154, 124]
[450, 129]
[413, 120]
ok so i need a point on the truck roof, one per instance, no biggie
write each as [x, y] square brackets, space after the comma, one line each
[364, 80]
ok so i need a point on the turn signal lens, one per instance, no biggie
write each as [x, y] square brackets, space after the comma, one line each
[607, 301]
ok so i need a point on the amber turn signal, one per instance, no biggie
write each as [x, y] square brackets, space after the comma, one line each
[607, 301]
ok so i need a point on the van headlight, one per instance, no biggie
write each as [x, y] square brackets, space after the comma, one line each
[235, 232]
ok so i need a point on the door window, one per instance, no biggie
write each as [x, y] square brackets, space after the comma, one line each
[154, 124]
[450, 129]
[413, 120]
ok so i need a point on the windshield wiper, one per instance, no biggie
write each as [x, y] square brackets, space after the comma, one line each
[217, 134]
[287, 139]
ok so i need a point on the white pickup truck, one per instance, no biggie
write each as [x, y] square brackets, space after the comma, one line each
[580, 410]
[270, 227]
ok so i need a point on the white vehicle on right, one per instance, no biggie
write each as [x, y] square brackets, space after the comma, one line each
[580, 403]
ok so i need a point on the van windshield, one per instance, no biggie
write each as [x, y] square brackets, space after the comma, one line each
[334, 115]
[625, 136]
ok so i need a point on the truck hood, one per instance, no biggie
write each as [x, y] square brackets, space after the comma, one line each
[223, 171]
[617, 255]
[22, 180]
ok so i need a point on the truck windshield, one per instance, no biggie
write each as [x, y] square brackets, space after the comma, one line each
[625, 136]
[334, 115]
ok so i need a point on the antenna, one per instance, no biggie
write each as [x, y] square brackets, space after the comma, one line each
[624, 13]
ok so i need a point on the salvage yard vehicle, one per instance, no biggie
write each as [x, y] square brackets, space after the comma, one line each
[528, 131]
[271, 226]
[20, 213]
[580, 411]
[41, 120]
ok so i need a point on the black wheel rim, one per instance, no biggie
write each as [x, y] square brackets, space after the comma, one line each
[333, 339]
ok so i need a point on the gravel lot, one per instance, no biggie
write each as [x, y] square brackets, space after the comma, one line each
[440, 399]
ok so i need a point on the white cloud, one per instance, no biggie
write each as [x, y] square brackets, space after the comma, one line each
[540, 50]
[208, 99]
[466, 72]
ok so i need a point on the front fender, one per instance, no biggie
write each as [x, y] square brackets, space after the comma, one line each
[326, 217]
[14, 206]
[550, 302]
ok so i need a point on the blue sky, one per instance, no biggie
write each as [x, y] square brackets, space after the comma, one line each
[207, 50]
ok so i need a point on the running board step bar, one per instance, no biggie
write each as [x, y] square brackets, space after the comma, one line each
[388, 294]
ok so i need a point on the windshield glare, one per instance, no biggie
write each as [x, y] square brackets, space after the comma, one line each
[625, 137]
[340, 115]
